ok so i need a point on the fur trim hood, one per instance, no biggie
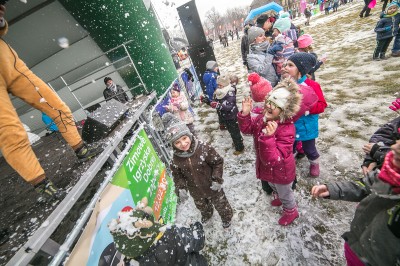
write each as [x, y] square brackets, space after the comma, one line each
[287, 97]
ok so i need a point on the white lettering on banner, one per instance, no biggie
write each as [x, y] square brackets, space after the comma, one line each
[131, 162]
[153, 187]
[149, 169]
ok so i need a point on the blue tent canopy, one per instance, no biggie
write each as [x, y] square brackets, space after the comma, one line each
[259, 10]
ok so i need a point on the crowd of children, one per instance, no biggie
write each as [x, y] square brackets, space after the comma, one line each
[282, 116]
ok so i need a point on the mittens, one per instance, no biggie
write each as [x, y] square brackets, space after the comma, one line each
[214, 105]
[204, 99]
[216, 186]
[183, 195]
[275, 48]
[395, 105]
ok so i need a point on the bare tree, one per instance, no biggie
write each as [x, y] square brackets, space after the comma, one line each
[214, 19]
[235, 15]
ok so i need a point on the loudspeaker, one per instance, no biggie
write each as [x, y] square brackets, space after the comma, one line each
[200, 55]
[103, 120]
[191, 23]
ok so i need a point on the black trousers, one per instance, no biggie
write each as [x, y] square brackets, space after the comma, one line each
[365, 9]
[381, 47]
[234, 131]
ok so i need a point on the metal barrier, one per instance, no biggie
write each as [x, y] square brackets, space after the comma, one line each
[40, 240]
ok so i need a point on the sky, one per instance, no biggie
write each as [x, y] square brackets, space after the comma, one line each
[202, 6]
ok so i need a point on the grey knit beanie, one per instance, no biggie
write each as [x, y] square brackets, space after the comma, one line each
[254, 32]
[174, 128]
[303, 61]
[210, 65]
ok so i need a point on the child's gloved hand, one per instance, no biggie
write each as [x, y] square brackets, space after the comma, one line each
[275, 48]
[395, 105]
[214, 105]
[204, 99]
[388, 28]
[216, 186]
[183, 195]
[394, 220]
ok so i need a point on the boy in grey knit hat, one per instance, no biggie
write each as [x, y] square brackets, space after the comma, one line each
[196, 167]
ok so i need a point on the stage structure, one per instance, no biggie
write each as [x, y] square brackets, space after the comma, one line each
[119, 187]
[199, 49]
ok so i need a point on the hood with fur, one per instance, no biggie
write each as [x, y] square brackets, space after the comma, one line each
[287, 97]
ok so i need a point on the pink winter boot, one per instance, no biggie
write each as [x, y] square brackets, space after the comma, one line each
[314, 168]
[289, 215]
[276, 202]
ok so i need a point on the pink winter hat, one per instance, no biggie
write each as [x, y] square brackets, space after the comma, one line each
[259, 87]
[304, 41]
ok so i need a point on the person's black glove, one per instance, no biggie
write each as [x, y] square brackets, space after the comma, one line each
[394, 220]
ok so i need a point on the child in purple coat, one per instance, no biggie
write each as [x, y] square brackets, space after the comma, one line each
[274, 135]
[225, 103]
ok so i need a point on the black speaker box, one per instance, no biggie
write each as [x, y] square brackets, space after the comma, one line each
[200, 55]
[103, 120]
[191, 23]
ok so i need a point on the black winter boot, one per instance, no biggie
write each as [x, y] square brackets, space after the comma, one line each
[48, 191]
[85, 153]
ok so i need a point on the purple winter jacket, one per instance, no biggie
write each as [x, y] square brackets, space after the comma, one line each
[227, 103]
[274, 154]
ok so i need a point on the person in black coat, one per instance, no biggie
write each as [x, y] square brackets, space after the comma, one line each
[178, 246]
[386, 29]
[244, 46]
[379, 145]
[114, 91]
[365, 12]
[138, 236]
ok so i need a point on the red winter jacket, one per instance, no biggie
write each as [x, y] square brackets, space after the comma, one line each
[274, 154]
[320, 106]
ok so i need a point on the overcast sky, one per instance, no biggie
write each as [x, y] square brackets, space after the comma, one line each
[202, 5]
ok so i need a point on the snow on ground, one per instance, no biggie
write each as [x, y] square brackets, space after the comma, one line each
[358, 91]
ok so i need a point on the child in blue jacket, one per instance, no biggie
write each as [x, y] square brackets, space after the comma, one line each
[386, 29]
[210, 79]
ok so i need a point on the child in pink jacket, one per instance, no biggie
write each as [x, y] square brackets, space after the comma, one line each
[179, 106]
[274, 135]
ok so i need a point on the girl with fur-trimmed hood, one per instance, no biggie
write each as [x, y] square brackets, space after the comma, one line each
[274, 135]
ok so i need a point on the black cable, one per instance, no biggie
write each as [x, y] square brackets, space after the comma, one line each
[64, 123]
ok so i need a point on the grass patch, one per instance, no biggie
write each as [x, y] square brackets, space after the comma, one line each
[320, 228]
[353, 133]
[217, 252]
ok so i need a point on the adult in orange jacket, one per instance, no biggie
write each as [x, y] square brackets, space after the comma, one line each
[17, 79]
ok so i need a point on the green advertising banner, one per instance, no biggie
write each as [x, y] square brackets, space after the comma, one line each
[143, 173]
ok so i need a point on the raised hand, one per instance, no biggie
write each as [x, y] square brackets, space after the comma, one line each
[246, 105]
[367, 147]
